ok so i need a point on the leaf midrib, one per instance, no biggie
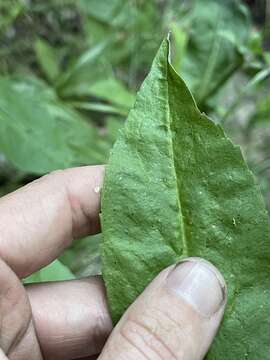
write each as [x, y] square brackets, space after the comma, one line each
[185, 252]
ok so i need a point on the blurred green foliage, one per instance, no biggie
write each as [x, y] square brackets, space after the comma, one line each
[69, 72]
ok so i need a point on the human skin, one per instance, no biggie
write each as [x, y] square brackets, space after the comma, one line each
[176, 317]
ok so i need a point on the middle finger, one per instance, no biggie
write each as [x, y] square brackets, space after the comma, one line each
[71, 317]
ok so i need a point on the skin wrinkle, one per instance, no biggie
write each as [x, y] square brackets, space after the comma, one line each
[71, 200]
[157, 318]
[12, 299]
[154, 336]
[184, 334]
[78, 212]
[19, 337]
[100, 322]
[100, 319]
[22, 351]
[91, 226]
[132, 343]
[177, 323]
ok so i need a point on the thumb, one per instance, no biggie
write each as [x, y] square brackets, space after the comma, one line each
[176, 317]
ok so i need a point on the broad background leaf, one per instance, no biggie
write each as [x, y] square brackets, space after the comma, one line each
[69, 141]
[214, 45]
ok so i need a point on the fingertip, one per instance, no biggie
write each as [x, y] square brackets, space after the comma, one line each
[200, 284]
[177, 316]
[41, 219]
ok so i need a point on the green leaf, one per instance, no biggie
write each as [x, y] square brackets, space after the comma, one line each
[255, 42]
[267, 57]
[116, 13]
[180, 37]
[47, 58]
[112, 90]
[104, 11]
[55, 271]
[258, 79]
[262, 115]
[113, 126]
[10, 10]
[99, 107]
[218, 30]
[175, 187]
[40, 134]
[86, 70]
[83, 257]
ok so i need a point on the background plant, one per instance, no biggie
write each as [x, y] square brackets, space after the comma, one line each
[70, 70]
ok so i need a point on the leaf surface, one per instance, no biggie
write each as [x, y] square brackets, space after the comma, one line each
[40, 134]
[175, 187]
[218, 30]
[47, 59]
[56, 271]
[84, 71]
[112, 90]
[83, 256]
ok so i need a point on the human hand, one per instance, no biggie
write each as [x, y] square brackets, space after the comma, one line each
[176, 317]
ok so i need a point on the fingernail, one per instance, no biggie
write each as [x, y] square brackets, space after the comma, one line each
[200, 284]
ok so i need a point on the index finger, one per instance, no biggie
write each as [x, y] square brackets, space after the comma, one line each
[38, 221]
